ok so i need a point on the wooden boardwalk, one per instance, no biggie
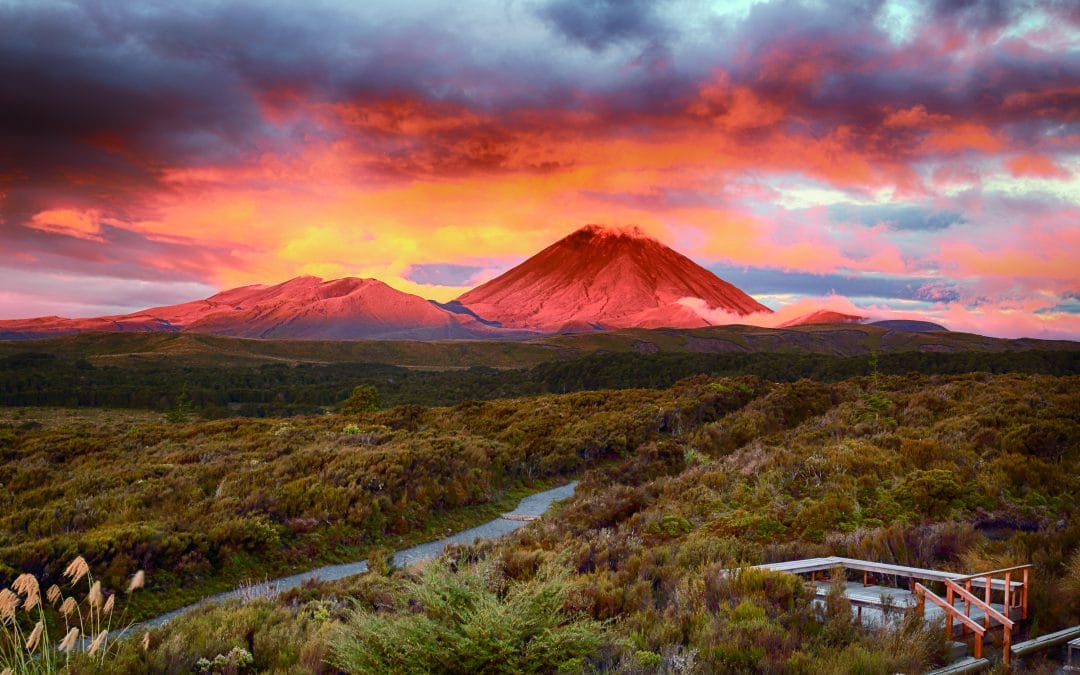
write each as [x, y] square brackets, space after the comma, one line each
[973, 604]
[873, 603]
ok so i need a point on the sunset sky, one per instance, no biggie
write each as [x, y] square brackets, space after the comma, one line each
[905, 158]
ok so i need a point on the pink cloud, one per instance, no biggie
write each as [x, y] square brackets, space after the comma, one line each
[68, 222]
[1039, 166]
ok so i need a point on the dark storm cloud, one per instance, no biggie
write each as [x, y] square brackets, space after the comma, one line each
[830, 64]
[598, 24]
[91, 110]
[96, 98]
[983, 13]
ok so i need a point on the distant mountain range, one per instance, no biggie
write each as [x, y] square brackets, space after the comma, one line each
[598, 278]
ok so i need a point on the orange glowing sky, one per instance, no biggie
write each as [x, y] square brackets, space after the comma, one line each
[902, 158]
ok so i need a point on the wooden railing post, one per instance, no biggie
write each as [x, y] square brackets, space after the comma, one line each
[989, 585]
[978, 645]
[948, 615]
[1006, 645]
[1008, 595]
[967, 608]
[1024, 596]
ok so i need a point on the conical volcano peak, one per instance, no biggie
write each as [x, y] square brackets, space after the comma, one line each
[596, 230]
[615, 277]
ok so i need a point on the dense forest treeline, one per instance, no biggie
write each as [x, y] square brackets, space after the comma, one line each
[41, 379]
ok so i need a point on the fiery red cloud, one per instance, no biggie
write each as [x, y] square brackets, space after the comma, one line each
[917, 158]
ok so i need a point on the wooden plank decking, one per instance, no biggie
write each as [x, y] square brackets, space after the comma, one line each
[879, 597]
[811, 565]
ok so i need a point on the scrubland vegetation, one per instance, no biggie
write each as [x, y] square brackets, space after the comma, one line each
[968, 472]
[199, 502]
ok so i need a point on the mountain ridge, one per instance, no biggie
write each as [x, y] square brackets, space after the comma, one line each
[302, 307]
[597, 278]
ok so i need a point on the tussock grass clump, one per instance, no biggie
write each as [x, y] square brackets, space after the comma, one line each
[27, 637]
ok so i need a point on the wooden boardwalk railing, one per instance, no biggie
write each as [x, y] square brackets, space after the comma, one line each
[1012, 599]
[923, 593]
[826, 564]
[1011, 584]
[954, 590]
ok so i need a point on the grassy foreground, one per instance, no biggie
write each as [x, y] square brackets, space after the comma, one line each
[958, 472]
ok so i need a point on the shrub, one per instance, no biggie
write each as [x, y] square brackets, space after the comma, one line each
[1048, 439]
[464, 621]
[929, 493]
[364, 398]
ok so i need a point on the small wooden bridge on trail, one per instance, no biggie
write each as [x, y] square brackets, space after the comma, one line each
[970, 604]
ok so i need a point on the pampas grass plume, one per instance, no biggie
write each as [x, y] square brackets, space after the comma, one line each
[9, 602]
[35, 637]
[98, 642]
[76, 570]
[68, 643]
[27, 584]
[94, 597]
